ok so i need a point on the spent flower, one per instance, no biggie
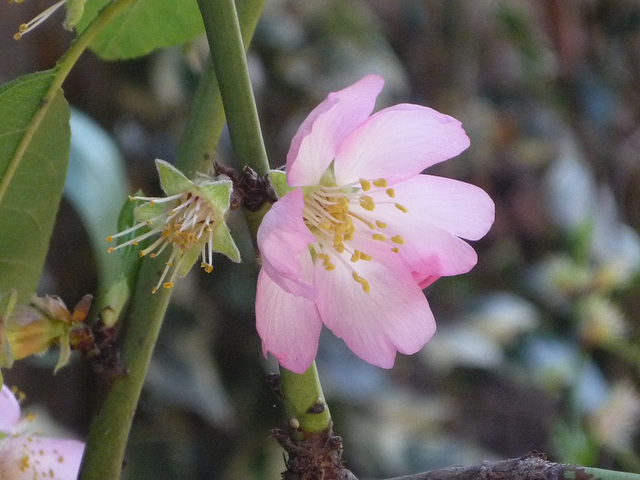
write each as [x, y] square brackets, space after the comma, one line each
[190, 220]
[358, 232]
[28, 457]
[32, 329]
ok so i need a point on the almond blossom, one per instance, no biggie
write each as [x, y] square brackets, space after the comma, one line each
[358, 231]
[28, 457]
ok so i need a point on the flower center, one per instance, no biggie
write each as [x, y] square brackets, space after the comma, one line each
[329, 214]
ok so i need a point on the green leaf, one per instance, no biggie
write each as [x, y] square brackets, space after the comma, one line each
[143, 27]
[172, 180]
[34, 150]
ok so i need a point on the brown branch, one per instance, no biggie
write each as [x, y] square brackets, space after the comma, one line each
[533, 466]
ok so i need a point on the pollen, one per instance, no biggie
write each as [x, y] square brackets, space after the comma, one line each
[402, 208]
[381, 182]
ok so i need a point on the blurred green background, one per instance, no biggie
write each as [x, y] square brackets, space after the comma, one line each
[537, 348]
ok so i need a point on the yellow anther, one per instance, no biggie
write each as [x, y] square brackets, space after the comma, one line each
[153, 255]
[323, 256]
[348, 235]
[207, 267]
[381, 224]
[397, 239]
[110, 249]
[17, 36]
[381, 182]
[391, 192]
[167, 285]
[395, 249]
[154, 290]
[356, 256]
[379, 237]
[340, 248]
[329, 267]
[365, 257]
[365, 184]
[109, 238]
[169, 264]
[402, 208]
[366, 202]
[23, 28]
[142, 254]
[342, 202]
[361, 281]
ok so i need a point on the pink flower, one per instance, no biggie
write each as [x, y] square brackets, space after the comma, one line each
[25, 457]
[358, 231]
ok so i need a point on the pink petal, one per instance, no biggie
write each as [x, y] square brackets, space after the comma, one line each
[400, 140]
[459, 208]
[9, 410]
[423, 280]
[54, 458]
[283, 240]
[394, 317]
[289, 326]
[315, 144]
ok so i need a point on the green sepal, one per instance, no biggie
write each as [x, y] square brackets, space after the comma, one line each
[223, 243]
[218, 194]
[64, 350]
[188, 259]
[75, 9]
[148, 211]
[278, 181]
[172, 180]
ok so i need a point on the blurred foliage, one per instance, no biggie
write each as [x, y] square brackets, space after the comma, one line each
[537, 348]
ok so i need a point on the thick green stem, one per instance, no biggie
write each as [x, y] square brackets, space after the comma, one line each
[302, 392]
[200, 138]
[230, 64]
[304, 400]
[110, 428]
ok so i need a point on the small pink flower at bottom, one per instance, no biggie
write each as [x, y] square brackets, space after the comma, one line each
[26, 457]
[358, 232]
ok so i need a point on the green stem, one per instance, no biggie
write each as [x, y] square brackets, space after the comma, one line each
[227, 54]
[230, 64]
[304, 400]
[206, 120]
[111, 424]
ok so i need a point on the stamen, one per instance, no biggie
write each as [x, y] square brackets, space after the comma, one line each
[379, 237]
[402, 208]
[37, 20]
[356, 256]
[365, 185]
[397, 239]
[390, 192]
[366, 202]
[381, 224]
[381, 182]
